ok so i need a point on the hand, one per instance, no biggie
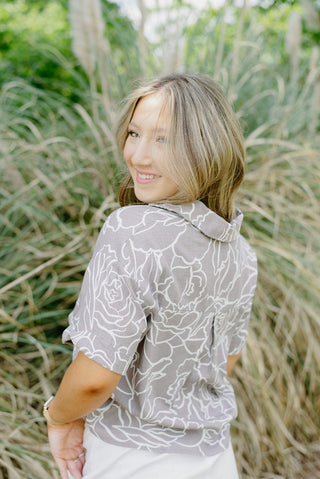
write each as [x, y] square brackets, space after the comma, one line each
[66, 444]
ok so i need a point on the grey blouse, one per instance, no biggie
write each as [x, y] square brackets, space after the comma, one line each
[165, 299]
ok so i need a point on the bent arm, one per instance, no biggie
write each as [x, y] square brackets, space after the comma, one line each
[231, 362]
[85, 386]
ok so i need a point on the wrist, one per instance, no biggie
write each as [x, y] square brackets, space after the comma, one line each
[46, 414]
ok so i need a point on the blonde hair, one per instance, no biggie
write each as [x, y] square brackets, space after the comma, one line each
[205, 148]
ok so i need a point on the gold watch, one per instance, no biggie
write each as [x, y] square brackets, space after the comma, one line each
[46, 414]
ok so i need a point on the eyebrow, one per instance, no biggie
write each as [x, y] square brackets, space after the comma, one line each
[154, 130]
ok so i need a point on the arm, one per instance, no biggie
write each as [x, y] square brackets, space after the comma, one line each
[85, 386]
[231, 362]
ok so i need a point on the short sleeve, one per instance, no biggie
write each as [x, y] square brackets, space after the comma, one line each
[240, 331]
[241, 315]
[109, 319]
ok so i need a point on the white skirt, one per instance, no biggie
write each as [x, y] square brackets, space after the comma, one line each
[106, 461]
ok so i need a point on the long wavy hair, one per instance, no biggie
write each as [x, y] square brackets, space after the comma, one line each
[205, 149]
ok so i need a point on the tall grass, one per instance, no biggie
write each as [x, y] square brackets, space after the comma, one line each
[59, 171]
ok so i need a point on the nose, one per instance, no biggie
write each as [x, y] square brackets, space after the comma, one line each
[143, 153]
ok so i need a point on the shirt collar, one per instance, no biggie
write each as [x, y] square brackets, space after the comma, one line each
[205, 220]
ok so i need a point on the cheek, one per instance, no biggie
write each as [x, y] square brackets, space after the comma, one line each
[126, 152]
[173, 188]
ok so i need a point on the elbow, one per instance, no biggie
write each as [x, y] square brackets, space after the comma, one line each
[91, 378]
[94, 389]
[97, 388]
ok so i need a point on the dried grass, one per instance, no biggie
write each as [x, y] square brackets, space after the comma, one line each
[58, 176]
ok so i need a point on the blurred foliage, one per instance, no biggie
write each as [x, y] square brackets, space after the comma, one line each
[35, 44]
[273, 22]
[32, 35]
[59, 168]
[311, 17]
[35, 40]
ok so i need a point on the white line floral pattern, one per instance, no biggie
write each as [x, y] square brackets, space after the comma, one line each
[165, 299]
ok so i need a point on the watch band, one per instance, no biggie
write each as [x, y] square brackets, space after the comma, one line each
[47, 415]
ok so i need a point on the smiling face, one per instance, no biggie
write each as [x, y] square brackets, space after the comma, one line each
[145, 151]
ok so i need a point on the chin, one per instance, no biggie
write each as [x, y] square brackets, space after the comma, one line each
[147, 200]
[144, 197]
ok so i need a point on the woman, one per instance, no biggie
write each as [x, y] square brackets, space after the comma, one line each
[164, 307]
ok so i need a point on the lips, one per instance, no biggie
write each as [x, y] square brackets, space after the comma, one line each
[144, 177]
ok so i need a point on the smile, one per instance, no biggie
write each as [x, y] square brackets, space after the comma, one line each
[145, 177]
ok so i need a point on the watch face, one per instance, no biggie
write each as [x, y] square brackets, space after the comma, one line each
[48, 401]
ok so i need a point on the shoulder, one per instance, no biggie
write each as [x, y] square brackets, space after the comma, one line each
[137, 224]
[126, 218]
[134, 218]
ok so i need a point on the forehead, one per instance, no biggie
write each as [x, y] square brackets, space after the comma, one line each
[152, 110]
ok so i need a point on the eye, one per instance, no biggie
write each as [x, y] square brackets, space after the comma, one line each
[133, 134]
[161, 139]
